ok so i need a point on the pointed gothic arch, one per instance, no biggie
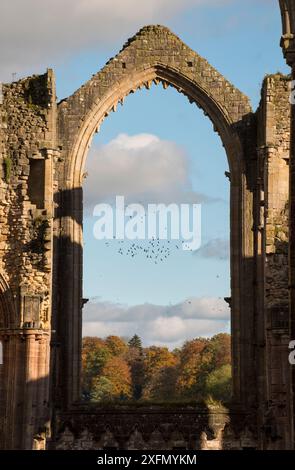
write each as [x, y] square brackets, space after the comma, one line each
[154, 55]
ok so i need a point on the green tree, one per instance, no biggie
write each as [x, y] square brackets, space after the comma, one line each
[95, 354]
[218, 351]
[216, 354]
[219, 383]
[135, 342]
[102, 389]
[134, 357]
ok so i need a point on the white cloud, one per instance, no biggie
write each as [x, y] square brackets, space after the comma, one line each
[217, 248]
[35, 33]
[167, 325]
[143, 168]
[192, 308]
[176, 330]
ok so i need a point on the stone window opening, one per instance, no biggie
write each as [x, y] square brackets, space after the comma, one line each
[36, 182]
[230, 112]
[88, 251]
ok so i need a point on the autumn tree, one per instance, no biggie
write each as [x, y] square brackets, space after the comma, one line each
[160, 373]
[115, 369]
[217, 352]
[116, 345]
[117, 373]
[190, 366]
[199, 359]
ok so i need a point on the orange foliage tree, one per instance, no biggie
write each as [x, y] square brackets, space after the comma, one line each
[116, 370]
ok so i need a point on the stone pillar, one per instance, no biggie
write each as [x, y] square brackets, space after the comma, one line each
[292, 239]
[24, 392]
[275, 401]
[288, 45]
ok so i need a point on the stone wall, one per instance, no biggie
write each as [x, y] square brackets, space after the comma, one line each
[273, 161]
[26, 217]
[27, 138]
[146, 428]
[288, 46]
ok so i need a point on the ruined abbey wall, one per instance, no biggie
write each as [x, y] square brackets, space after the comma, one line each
[43, 147]
[273, 227]
[27, 131]
[154, 427]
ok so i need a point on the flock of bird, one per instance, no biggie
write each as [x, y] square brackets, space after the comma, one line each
[154, 250]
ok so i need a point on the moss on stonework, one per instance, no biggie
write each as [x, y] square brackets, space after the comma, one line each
[278, 75]
[7, 168]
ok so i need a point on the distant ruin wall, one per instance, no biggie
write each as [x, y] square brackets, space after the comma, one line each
[144, 428]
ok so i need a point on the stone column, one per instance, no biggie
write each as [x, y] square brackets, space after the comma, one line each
[288, 45]
[292, 236]
[24, 390]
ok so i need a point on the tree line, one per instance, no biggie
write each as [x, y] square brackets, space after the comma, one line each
[118, 370]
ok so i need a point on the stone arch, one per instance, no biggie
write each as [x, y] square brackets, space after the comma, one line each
[153, 55]
[138, 64]
[168, 77]
[135, 440]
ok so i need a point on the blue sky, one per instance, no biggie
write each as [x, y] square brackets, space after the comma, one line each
[169, 116]
[181, 297]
